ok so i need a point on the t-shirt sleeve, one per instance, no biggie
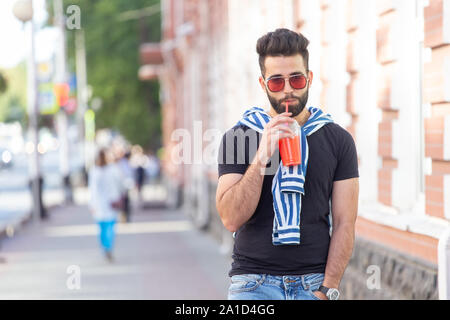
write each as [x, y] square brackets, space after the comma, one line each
[234, 154]
[347, 166]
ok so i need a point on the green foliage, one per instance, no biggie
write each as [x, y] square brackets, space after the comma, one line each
[112, 53]
[3, 83]
[13, 100]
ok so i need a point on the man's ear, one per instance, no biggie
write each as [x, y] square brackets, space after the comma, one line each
[310, 77]
[261, 82]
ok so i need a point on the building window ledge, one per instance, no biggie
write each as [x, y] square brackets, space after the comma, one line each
[405, 221]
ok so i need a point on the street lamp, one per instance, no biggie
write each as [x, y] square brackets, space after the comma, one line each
[23, 10]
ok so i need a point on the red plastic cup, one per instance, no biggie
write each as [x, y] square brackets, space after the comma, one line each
[290, 151]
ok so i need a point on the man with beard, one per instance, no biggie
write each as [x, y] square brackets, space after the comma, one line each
[293, 226]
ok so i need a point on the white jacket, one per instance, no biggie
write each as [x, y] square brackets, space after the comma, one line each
[104, 188]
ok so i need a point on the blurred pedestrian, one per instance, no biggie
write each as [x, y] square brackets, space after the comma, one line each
[153, 168]
[126, 177]
[105, 201]
[140, 177]
[139, 160]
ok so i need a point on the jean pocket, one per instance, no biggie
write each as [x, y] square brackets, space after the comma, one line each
[313, 283]
[245, 282]
[314, 280]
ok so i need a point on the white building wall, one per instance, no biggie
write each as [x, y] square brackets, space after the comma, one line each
[369, 115]
[310, 12]
[338, 77]
[407, 133]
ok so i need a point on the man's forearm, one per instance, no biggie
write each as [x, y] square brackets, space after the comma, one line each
[339, 254]
[239, 202]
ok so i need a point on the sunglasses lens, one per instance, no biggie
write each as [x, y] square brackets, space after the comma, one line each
[276, 84]
[297, 82]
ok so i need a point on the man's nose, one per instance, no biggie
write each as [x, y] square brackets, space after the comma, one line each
[287, 86]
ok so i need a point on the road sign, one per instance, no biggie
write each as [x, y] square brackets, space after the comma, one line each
[47, 99]
[61, 93]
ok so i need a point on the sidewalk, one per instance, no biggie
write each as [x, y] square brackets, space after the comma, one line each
[159, 255]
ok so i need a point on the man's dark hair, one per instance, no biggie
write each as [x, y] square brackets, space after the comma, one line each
[282, 42]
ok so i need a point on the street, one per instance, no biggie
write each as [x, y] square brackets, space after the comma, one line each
[15, 195]
[159, 255]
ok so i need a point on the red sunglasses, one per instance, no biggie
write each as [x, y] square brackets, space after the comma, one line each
[276, 84]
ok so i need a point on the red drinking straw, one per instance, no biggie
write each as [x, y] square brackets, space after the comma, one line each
[287, 110]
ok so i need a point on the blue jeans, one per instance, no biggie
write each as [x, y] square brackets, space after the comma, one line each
[107, 234]
[268, 287]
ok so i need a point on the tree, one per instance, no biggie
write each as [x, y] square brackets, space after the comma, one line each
[3, 83]
[13, 100]
[129, 105]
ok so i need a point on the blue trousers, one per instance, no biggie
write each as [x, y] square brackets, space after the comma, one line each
[107, 234]
[270, 287]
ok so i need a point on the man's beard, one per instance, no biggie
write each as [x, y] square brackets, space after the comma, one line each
[295, 108]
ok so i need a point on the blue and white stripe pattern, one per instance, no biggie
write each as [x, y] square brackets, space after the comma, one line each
[288, 182]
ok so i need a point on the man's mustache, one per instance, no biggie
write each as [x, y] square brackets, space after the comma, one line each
[289, 98]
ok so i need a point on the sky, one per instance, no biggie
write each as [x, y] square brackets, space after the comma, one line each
[14, 45]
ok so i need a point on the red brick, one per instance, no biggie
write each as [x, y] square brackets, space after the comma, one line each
[434, 76]
[434, 182]
[434, 209]
[385, 139]
[349, 98]
[434, 151]
[385, 149]
[434, 138]
[441, 167]
[385, 127]
[385, 186]
[385, 174]
[435, 196]
[351, 67]
[434, 124]
[389, 115]
[384, 181]
[440, 109]
[352, 22]
[390, 163]
[384, 86]
[385, 39]
[434, 24]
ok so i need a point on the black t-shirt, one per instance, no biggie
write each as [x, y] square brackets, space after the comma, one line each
[332, 157]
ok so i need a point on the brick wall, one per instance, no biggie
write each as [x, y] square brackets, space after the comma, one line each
[436, 96]
[386, 59]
